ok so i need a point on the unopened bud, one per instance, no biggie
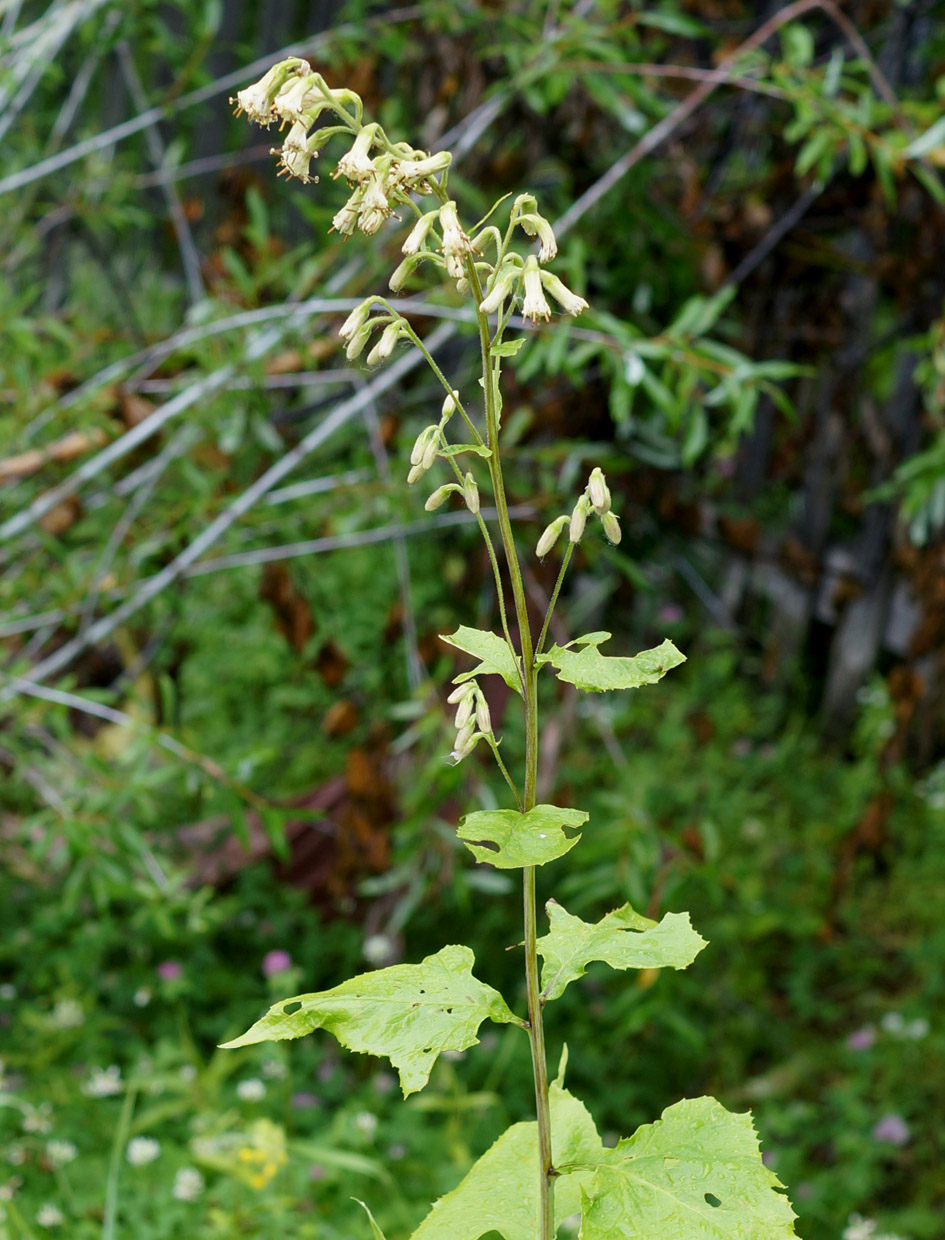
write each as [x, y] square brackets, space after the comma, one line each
[598, 492]
[471, 493]
[355, 346]
[483, 718]
[403, 272]
[449, 404]
[463, 737]
[416, 472]
[355, 320]
[611, 526]
[550, 536]
[385, 346]
[462, 691]
[578, 521]
[467, 708]
[433, 446]
[439, 496]
[420, 445]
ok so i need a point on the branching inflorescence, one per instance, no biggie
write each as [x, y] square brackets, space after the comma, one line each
[697, 1171]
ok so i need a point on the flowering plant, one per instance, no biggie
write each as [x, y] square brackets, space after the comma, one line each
[697, 1171]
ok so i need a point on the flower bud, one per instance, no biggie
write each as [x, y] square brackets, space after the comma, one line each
[578, 521]
[418, 234]
[449, 405]
[416, 472]
[465, 734]
[550, 536]
[355, 346]
[385, 345]
[598, 491]
[471, 493]
[569, 302]
[483, 718]
[403, 273]
[503, 285]
[467, 708]
[419, 448]
[611, 526]
[355, 320]
[438, 499]
[431, 450]
[462, 691]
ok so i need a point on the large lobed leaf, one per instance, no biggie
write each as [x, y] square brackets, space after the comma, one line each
[696, 1174]
[494, 652]
[408, 1012]
[509, 839]
[589, 669]
[623, 939]
[500, 1193]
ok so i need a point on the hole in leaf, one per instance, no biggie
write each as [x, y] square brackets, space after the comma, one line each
[288, 1009]
[712, 1199]
[491, 845]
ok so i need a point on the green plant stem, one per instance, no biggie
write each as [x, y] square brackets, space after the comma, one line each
[114, 1163]
[530, 684]
[554, 598]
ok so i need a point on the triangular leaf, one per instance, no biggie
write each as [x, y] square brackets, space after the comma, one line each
[623, 939]
[508, 839]
[696, 1174]
[500, 1193]
[589, 669]
[493, 650]
[408, 1012]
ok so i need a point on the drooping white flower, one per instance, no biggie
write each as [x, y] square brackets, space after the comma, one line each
[385, 345]
[294, 155]
[533, 225]
[355, 320]
[550, 536]
[534, 305]
[569, 302]
[411, 175]
[257, 100]
[502, 287]
[374, 206]
[346, 220]
[293, 100]
[357, 164]
[611, 524]
[456, 245]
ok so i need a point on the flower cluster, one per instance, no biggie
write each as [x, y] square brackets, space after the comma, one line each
[595, 500]
[473, 721]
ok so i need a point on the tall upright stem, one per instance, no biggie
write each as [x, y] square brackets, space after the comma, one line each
[529, 673]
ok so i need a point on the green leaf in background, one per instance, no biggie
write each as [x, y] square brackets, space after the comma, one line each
[508, 839]
[623, 939]
[589, 669]
[375, 1230]
[696, 1174]
[408, 1012]
[500, 1192]
[494, 651]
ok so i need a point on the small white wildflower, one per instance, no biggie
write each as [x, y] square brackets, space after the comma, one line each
[456, 245]
[366, 1122]
[188, 1184]
[917, 1029]
[257, 100]
[534, 305]
[68, 1014]
[274, 1070]
[251, 1090]
[569, 302]
[142, 1150]
[418, 234]
[142, 997]
[296, 98]
[859, 1228]
[296, 153]
[894, 1023]
[346, 220]
[8, 1192]
[15, 1154]
[378, 949]
[412, 175]
[374, 206]
[533, 225]
[49, 1215]
[7, 991]
[60, 1152]
[550, 536]
[187, 1072]
[103, 1083]
[357, 164]
[38, 1119]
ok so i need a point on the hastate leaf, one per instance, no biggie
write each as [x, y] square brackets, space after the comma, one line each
[408, 1012]
[500, 1193]
[589, 669]
[494, 651]
[623, 939]
[508, 839]
[696, 1174]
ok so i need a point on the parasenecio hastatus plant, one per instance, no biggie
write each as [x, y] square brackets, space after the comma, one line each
[696, 1173]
